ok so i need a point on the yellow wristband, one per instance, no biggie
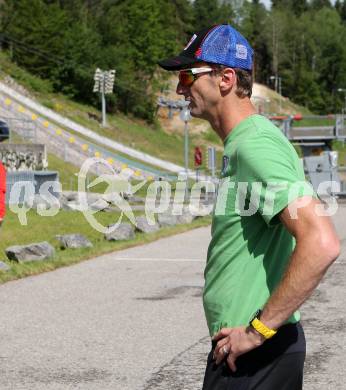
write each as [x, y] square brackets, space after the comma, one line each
[266, 332]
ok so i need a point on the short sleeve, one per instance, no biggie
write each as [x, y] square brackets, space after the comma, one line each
[274, 174]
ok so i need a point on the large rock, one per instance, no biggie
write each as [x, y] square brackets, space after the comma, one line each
[201, 210]
[94, 197]
[136, 199]
[31, 252]
[72, 201]
[124, 231]
[185, 218]
[39, 202]
[99, 205]
[111, 209]
[142, 225]
[69, 196]
[73, 241]
[4, 267]
[137, 207]
[72, 206]
[167, 219]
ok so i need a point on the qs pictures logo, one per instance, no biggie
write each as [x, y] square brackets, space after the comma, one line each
[118, 184]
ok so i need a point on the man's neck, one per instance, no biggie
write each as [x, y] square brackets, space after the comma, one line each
[229, 115]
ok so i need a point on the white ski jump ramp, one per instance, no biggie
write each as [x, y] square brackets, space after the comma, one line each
[69, 124]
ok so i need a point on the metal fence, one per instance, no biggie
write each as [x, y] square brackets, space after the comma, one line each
[36, 178]
[26, 128]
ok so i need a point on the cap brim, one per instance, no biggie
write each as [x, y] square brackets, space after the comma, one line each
[177, 63]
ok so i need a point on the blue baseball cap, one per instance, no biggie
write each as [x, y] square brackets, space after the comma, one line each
[220, 44]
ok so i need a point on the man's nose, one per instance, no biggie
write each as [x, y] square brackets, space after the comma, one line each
[180, 89]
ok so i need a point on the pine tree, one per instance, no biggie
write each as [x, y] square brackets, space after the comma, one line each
[135, 35]
[210, 12]
[319, 4]
[340, 6]
[37, 32]
[254, 19]
[296, 6]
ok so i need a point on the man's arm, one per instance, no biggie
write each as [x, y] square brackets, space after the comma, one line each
[317, 246]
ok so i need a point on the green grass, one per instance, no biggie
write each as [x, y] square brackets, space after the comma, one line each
[314, 122]
[23, 77]
[41, 228]
[340, 147]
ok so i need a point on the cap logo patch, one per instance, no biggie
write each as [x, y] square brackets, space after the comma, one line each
[241, 52]
[198, 52]
[190, 41]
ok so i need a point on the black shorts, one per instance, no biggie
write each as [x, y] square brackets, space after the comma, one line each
[275, 365]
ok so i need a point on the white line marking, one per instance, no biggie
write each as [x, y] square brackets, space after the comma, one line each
[159, 259]
[177, 260]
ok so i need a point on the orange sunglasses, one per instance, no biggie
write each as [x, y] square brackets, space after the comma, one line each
[188, 76]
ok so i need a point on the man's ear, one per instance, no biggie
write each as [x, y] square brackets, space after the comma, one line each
[228, 80]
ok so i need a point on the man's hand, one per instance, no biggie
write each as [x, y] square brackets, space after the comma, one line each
[233, 342]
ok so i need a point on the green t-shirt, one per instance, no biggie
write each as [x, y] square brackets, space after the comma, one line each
[250, 247]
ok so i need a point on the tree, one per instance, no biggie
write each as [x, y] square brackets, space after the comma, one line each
[135, 35]
[296, 6]
[312, 70]
[298, 70]
[340, 6]
[54, 43]
[65, 40]
[330, 55]
[319, 4]
[254, 19]
[184, 19]
[38, 30]
[210, 12]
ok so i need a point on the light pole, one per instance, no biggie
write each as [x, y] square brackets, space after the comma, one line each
[277, 85]
[267, 106]
[344, 91]
[185, 117]
[104, 82]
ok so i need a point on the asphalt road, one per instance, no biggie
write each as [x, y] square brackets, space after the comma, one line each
[133, 320]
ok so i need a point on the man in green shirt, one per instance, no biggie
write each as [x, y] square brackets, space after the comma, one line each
[271, 242]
